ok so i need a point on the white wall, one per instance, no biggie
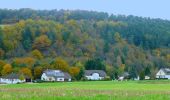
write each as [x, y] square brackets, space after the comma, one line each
[44, 77]
[60, 79]
[161, 74]
[94, 76]
[11, 81]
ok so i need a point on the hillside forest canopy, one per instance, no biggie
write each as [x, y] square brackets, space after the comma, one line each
[75, 40]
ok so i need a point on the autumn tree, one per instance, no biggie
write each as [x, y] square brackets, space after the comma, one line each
[24, 62]
[37, 72]
[26, 72]
[74, 71]
[2, 63]
[42, 42]
[37, 54]
[7, 69]
[60, 64]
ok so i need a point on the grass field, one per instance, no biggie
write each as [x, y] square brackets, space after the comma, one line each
[93, 90]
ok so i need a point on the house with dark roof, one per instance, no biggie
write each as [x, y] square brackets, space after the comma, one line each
[14, 78]
[55, 75]
[163, 73]
[94, 74]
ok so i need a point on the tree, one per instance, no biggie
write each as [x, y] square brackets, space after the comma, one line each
[37, 72]
[95, 64]
[26, 72]
[147, 71]
[21, 77]
[2, 63]
[60, 64]
[74, 71]
[117, 37]
[23, 62]
[133, 73]
[37, 54]
[142, 75]
[110, 71]
[1, 53]
[81, 74]
[42, 42]
[7, 69]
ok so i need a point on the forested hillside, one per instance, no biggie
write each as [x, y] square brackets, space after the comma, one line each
[34, 40]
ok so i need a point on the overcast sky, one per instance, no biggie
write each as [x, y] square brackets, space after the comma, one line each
[145, 8]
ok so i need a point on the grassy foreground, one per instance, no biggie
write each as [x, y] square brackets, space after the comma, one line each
[96, 90]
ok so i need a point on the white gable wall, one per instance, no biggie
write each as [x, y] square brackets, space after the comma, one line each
[44, 77]
[94, 76]
[161, 74]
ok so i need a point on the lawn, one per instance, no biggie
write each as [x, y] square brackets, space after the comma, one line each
[92, 90]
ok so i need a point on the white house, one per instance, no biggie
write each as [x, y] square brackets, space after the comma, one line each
[11, 79]
[147, 77]
[55, 75]
[123, 76]
[163, 73]
[95, 74]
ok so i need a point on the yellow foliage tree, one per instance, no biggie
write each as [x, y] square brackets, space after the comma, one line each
[27, 60]
[74, 71]
[7, 69]
[60, 64]
[26, 72]
[37, 72]
[42, 42]
[2, 63]
[37, 54]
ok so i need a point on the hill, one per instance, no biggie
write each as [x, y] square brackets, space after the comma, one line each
[40, 38]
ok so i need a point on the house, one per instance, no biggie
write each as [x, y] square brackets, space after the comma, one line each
[125, 75]
[163, 73]
[95, 74]
[55, 75]
[147, 77]
[14, 78]
[137, 78]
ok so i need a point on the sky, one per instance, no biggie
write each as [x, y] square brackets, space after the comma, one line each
[144, 8]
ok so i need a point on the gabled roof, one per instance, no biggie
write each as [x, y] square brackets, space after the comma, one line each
[125, 74]
[166, 70]
[57, 74]
[11, 76]
[100, 72]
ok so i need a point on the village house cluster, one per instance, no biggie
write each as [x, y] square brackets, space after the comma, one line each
[60, 76]
[54, 75]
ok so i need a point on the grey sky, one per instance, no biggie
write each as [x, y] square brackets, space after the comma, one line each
[145, 8]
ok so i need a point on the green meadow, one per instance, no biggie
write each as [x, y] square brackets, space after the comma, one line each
[91, 90]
